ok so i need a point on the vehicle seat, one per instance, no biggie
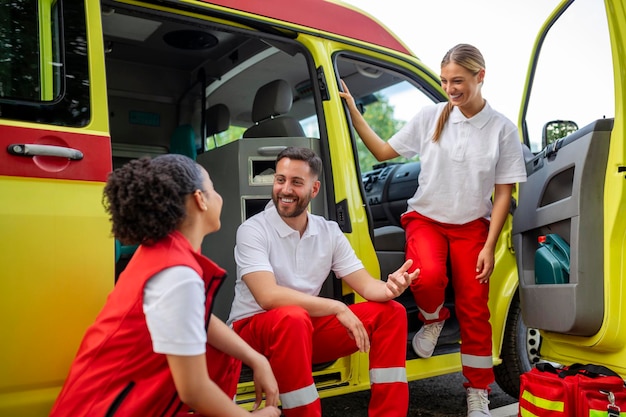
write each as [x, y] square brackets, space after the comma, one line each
[183, 141]
[271, 102]
[217, 120]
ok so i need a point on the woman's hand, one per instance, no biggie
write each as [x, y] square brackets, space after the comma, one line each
[484, 265]
[267, 412]
[345, 94]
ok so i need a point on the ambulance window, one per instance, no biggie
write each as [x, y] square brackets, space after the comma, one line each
[387, 99]
[239, 88]
[573, 78]
[43, 62]
[19, 54]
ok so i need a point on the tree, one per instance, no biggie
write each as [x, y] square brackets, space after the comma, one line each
[232, 134]
[557, 129]
[379, 115]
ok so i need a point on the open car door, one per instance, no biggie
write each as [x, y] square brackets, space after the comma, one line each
[569, 227]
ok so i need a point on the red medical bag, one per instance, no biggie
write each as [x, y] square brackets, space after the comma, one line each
[571, 391]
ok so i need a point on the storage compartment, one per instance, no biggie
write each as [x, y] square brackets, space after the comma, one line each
[261, 170]
[252, 206]
[552, 260]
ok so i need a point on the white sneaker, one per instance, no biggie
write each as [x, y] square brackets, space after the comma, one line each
[425, 339]
[477, 403]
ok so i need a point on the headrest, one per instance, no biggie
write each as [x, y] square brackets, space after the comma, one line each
[272, 99]
[217, 119]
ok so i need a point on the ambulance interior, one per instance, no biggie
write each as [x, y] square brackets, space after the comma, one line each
[261, 92]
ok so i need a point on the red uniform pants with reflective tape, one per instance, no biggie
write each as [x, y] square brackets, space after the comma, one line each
[431, 244]
[292, 341]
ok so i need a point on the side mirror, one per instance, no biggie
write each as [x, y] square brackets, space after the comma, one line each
[555, 130]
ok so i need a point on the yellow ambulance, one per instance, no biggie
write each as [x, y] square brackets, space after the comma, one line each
[87, 85]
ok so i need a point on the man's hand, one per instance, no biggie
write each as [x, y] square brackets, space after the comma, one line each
[264, 382]
[355, 328]
[400, 280]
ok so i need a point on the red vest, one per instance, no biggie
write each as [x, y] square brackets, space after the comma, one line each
[116, 372]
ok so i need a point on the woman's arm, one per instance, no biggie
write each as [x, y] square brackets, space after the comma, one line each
[224, 339]
[201, 394]
[381, 150]
[499, 213]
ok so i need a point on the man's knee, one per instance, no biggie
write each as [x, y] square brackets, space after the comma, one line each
[292, 317]
[395, 308]
[392, 312]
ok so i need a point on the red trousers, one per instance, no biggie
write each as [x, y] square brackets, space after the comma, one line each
[224, 370]
[293, 341]
[431, 244]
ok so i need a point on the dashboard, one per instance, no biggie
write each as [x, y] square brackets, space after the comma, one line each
[387, 189]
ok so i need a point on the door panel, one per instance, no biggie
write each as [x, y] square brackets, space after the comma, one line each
[34, 152]
[564, 197]
[56, 250]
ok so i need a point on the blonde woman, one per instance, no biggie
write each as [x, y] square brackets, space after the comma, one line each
[468, 152]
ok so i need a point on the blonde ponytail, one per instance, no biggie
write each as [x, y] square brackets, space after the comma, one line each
[441, 122]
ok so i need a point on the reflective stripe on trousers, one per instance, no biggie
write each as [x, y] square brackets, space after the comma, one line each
[430, 244]
[290, 338]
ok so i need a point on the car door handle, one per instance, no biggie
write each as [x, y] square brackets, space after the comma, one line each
[23, 149]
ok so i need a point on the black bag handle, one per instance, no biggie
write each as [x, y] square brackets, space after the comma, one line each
[590, 370]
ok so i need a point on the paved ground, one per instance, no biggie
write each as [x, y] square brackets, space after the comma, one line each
[506, 411]
[442, 396]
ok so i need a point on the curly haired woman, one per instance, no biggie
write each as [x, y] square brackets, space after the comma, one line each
[155, 348]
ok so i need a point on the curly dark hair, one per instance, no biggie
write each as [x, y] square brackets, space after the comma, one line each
[146, 197]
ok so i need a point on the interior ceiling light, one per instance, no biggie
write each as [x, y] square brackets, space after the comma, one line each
[368, 71]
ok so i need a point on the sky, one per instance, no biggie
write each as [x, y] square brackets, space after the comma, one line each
[503, 30]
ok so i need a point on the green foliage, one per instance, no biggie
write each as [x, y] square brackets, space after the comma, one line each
[558, 129]
[19, 50]
[380, 116]
[232, 134]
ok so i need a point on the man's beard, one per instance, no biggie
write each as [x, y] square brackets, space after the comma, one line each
[295, 211]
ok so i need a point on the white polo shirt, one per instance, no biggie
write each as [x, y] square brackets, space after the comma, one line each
[174, 304]
[458, 173]
[266, 243]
